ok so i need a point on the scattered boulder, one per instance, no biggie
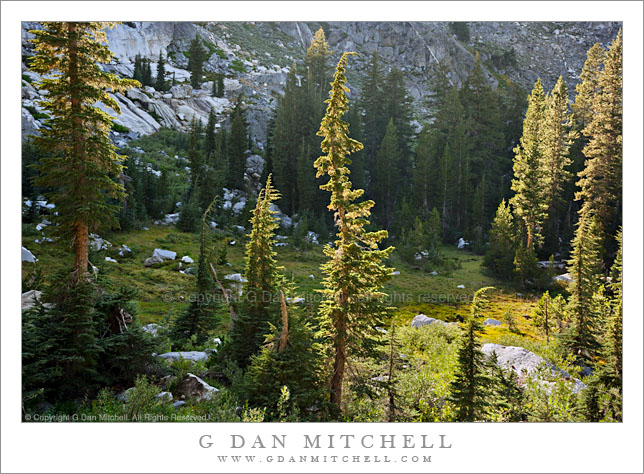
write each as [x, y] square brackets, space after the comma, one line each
[565, 278]
[181, 91]
[237, 277]
[396, 272]
[434, 273]
[195, 388]
[164, 254]
[168, 219]
[312, 238]
[462, 243]
[165, 396]
[124, 396]
[152, 329]
[186, 259]
[97, 243]
[194, 356]
[491, 322]
[312, 277]
[238, 208]
[178, 404]
[124, 250]
[460, 286]
[296, 300]
[421, 320]
[27, 256]
[110, 259]
[29, 299]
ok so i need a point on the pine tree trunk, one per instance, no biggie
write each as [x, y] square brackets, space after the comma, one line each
[340, 358]
[81, 252]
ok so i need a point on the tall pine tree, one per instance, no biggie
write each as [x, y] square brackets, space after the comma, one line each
[354, 272]
[82, 161]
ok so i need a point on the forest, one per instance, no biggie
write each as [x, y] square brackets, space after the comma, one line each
[361, 265]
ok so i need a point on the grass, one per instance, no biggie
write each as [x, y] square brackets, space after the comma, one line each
[163, 291]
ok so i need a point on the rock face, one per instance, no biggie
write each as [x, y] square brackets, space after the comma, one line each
[195, 388]
[544, 50]
[565, 278]
[523, 362]
[421, 320]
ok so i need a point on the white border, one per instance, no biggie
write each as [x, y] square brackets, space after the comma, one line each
[477, 447]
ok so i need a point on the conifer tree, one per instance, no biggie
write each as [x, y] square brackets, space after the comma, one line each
[159, 83]
[316, 58]
[500, 255]
[197, 56]
[138, 72]
[588, 87]
[237, 148]
[287, 143]
[297, 365]
[508, 398]
[557, 139]
[611, 371]
[584, 267]
[354, 272]
[200, 318]
[528, 201]
[386, 180]
[542, 316]
[600, 181]
[264, 280]
[305, 178]
[210, 139]
[556, 142]
[399, 109]
[471, 385]
[375, 119]
[146, 72]
[82, 161]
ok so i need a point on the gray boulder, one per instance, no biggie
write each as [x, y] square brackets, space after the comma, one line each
[236, 277]
[124, 396]
[164, 254]
[195, 388]
[565, 278]
[421, 320]
[491, 322]
[152, 329]
[27, 256]
[29, 299]
[165, 396]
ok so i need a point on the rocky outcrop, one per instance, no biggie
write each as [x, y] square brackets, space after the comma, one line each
[523, 362]
[27, 256]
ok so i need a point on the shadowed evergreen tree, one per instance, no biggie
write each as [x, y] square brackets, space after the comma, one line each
[500, 255]
[471, 385]
[81, 161]
[354, 272]
[259, 309]
[200, 318]
[197, 55]
[237, 147]
[399, 109]
[601, 181]
[611, 371]
[138, 71]
[305, 179]
[386, 180]
[159, 83]
[508, 398]
[375, 119]
[557, 138]
[528, 202]
[542, 316]
[288, 357]
[146, 72]
[584, 267]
